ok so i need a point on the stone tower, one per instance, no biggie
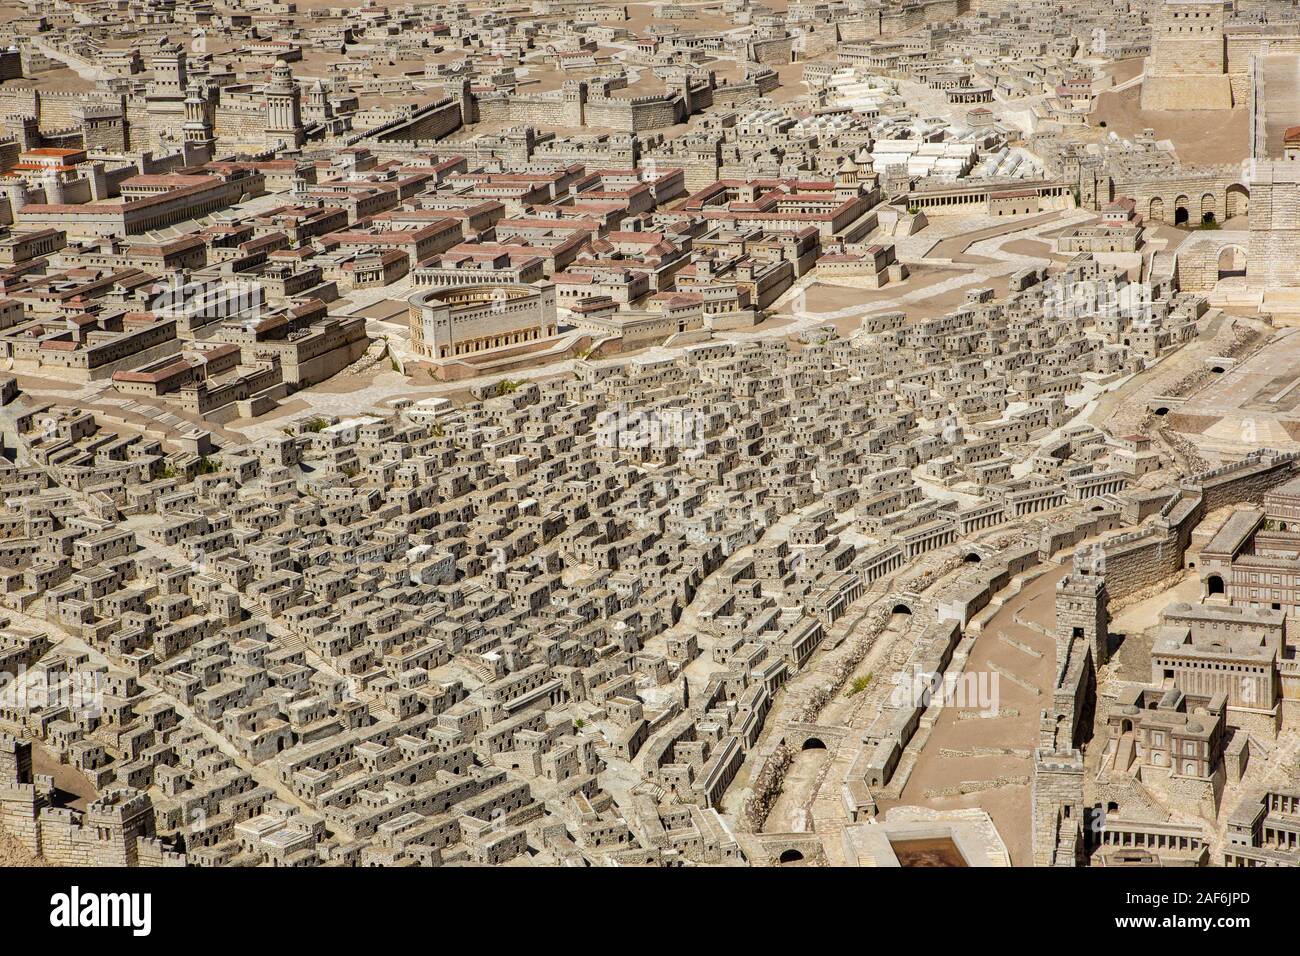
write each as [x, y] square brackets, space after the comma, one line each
[103, 127]
[847, 179]
[199, 141]
[574, 96]
[519, 143]
[1274, 245]
[319, 106]
[468, 104]
[20, 804]
[284, 108]
[1057, 796]
[1187, 66]
[702, 161]
[170, 76]
[25, 130]
[119, 818]
[624, 150]
[52, 183]
[1094, 184]
[164, 100]
[1081, 615]
[15, 761]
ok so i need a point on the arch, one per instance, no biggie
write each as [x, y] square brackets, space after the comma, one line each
[1214, 585]
[1162, 410]
[790, 856]
[973, 558]
[1181, 210]
[1097, 508]
[813, 743]
[1208, 208]
[1236, 201]
[1217, 370]
[1112, 806]
[1232, 261]
[1157, 210]
[901, 608]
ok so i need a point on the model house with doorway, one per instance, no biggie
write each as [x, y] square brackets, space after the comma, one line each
[1164, 730]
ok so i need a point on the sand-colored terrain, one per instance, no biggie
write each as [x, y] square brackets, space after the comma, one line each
[13, 853]
[1199, 136]
[72, 788]
[954, 247]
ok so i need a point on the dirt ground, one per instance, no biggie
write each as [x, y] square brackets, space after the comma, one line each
[1199, 136]
[76, 790]
[1126, 69]
[13, 853]
[383, 309]
[954, 247]
[825, 297]
[1029, 247]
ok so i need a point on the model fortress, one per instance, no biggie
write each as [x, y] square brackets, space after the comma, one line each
[1187, 68]
[649, 434]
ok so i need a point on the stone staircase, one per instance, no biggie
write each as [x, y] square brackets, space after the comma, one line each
[1124, 754]
[476, 667]
[650, 789]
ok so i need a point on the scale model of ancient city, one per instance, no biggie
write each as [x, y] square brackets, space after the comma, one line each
[687, 433]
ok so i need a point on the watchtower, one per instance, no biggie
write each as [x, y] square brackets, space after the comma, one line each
[119, 817]
[1081, 614]
[1187, 66]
